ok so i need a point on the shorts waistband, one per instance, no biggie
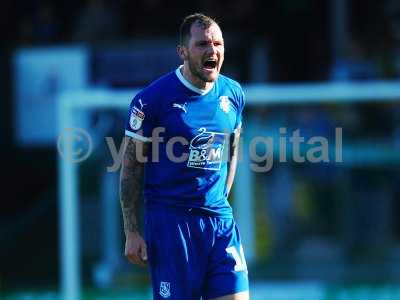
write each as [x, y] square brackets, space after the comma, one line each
[152, 206]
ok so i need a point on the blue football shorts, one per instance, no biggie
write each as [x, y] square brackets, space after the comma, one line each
[193, 256]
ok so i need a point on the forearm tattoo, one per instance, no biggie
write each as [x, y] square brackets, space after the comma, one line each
[131, 186]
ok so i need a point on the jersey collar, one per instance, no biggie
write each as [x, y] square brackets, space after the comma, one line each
[188, 84]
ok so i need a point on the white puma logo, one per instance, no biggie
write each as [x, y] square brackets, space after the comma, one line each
[181, 106]
[141, 104]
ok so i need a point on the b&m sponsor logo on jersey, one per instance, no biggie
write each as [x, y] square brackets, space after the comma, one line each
[206, 150]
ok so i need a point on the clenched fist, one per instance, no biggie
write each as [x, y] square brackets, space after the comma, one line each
[135, 248]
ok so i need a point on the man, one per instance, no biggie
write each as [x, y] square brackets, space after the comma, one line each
[192, 243]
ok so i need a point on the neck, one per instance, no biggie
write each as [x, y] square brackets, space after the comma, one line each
[197, 82]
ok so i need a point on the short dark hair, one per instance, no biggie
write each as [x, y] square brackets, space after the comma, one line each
[188, 21]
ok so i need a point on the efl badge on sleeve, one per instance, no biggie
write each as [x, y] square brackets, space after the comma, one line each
[136, 119]
[165, 289]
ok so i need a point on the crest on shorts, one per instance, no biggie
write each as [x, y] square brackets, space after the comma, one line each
[165, 291]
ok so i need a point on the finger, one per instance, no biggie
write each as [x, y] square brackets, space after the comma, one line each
[143, 252]
[133, 256]
[135, 260]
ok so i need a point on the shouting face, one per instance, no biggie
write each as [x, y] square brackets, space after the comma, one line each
[203, 54]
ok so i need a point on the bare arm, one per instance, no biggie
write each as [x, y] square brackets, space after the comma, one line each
[232, 163]
[131, 187]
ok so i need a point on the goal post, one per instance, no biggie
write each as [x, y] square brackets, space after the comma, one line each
[84, 101]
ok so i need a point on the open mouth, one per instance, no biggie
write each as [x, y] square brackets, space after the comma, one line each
[210, 64]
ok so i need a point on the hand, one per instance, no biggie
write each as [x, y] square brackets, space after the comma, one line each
[135, 249]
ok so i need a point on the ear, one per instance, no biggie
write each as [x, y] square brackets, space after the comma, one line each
[182, 52]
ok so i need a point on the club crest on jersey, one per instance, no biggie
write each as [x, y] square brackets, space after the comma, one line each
[165, 290]
[206, 150]
[224, 103]
[136, 118]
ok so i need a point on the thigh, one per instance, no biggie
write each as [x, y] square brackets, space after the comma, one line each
[175, 265]
[227, 273]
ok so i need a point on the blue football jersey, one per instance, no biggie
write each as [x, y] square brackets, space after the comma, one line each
[190, 131]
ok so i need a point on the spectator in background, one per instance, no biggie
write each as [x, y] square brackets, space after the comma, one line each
[39, 26]
[25, 31]
[45, 27]
[392, 13]
[297, 204]
[98, 21]
[156, 18]
[238, 17]
[298, 45]
[148, 21]
[357, 65]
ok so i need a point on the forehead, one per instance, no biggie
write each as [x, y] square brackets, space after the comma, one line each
[199, 32]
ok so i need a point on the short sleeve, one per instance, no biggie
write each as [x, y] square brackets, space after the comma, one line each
[241, 101]
[139, 124]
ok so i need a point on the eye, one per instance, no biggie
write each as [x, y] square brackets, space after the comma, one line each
[202, 43]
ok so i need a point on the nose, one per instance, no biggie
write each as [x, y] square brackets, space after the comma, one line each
[212, 48]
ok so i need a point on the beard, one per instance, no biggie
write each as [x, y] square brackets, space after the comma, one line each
[196, 71]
